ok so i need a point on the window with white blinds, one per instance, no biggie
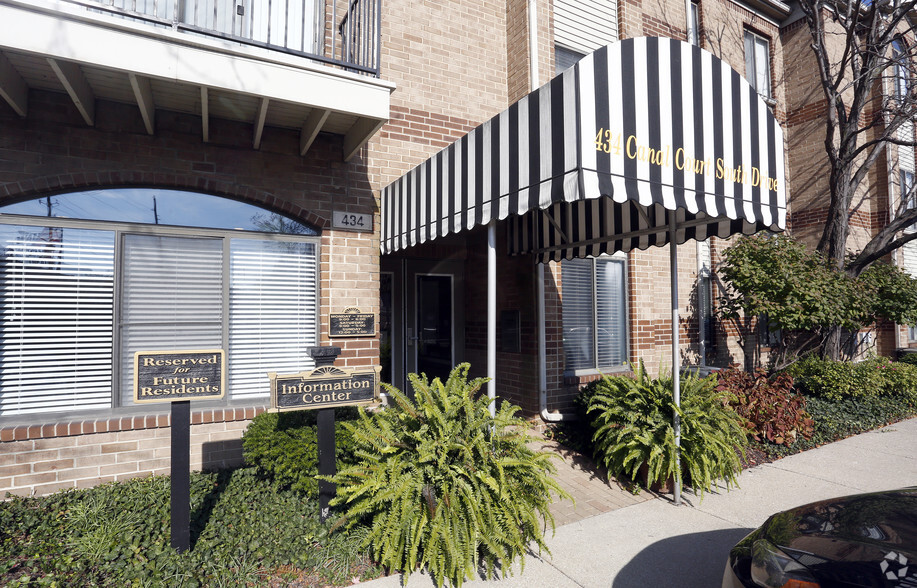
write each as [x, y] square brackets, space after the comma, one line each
[272, 312]
[57, 299]
[594, 314]
[79, 297]
[171, 298]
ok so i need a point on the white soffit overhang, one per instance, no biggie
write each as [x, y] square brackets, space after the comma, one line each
[329, 99]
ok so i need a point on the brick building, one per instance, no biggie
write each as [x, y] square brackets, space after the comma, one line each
[144, 106]
[890, 180]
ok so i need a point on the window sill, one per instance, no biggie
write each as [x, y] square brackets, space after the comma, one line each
[89, 425]
[580, 377]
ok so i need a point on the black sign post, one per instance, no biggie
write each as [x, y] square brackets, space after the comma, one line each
[327, 460]
[181, 475]
[179, 377]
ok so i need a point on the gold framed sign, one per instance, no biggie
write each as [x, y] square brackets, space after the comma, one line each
[170, 376]
[324, 387]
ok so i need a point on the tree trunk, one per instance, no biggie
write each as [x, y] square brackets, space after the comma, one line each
[831, 349]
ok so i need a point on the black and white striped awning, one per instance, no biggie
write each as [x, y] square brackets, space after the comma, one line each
[600, 158]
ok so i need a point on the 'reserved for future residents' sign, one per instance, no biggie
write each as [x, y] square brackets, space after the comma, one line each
[324, 387]
[170, 376]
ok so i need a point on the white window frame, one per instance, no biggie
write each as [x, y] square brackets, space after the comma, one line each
[756, 65]
[694, 25]
[596, 367]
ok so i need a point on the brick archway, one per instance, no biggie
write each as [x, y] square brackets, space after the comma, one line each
[75, 182]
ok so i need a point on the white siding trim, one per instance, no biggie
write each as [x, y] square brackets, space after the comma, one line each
[585, 25]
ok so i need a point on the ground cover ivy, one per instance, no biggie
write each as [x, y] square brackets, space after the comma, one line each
[246, 531]
[837, 419]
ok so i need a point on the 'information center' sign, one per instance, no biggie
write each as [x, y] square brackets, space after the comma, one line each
[169, 376]
[324, 387]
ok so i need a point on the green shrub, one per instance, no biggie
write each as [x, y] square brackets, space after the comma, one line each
[283, 445]
[835, 380]
[633, 426]
[908, 358]
[898, 378]
[838, 380]
[445, 486]
[769, 407]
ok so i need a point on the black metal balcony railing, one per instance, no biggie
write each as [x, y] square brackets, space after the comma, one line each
[344, 33]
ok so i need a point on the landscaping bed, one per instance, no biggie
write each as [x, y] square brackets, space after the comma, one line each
[246, 530]
[814, 403]
[259, 525]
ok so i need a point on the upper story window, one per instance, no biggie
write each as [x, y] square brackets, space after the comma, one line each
[565, 58]
[757, 63]
[594, 313]
[79, 297]
[694, 25]
[906, 185]
[901, 78]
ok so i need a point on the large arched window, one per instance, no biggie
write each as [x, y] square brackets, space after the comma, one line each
[87, 279]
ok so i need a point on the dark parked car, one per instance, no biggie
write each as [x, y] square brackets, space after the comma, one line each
[865, 540]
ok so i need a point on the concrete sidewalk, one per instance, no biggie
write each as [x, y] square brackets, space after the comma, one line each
[654, 544]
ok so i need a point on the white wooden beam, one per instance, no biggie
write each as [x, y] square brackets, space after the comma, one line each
[12, 87]
[205, 113]
[143, 93]
[311, 128]
[71, 76]
[259, 122]
[359, 134]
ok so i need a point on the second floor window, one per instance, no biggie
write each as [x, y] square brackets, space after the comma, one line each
[694, 25]
[565, 58]
[900, 70]
[906, 184]
[757, 63]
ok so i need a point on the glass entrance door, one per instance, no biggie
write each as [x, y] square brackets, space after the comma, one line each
[434, 339]
[422, 323]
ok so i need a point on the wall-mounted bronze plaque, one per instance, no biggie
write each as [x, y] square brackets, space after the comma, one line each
[352, 323]
[169, 376]
[324, 387]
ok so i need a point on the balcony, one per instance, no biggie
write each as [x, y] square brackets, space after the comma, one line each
[310, 65]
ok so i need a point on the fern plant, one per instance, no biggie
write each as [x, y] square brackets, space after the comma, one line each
[445, 487]
[633, 426]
